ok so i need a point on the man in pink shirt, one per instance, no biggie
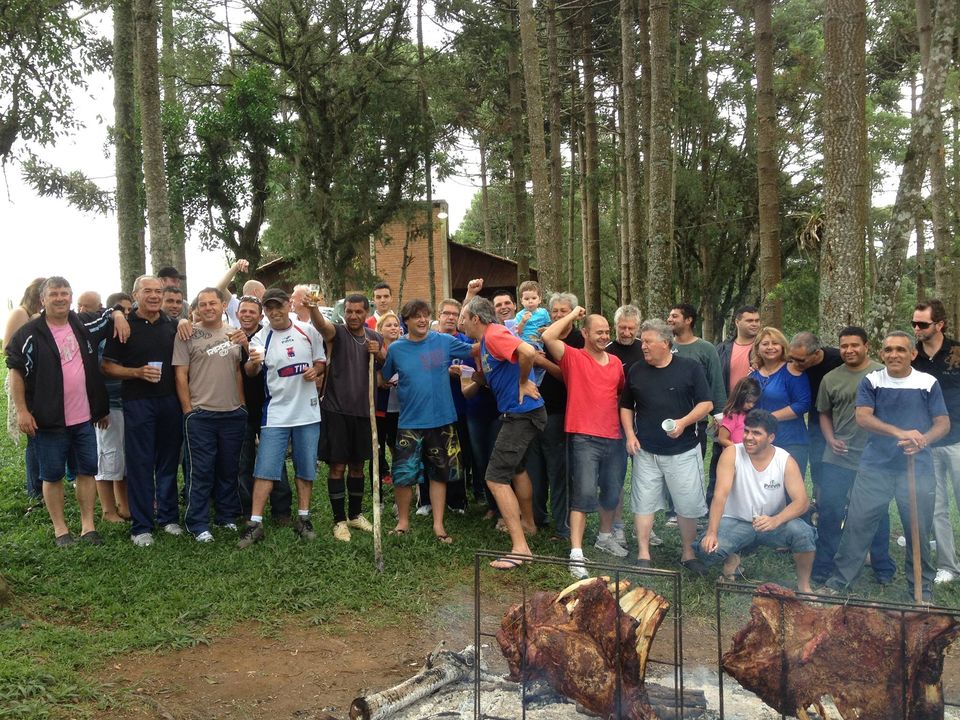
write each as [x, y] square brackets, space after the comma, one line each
[594, 380]
[59, 393]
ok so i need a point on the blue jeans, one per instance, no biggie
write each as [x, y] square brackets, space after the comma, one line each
[735, 534]
[281, 495]
[547, 467]
[596, 463]
[835, 486]
[272, 453]
[869, 504]
[211, 456]
[75, 445]
[483, 434]
[152, 438]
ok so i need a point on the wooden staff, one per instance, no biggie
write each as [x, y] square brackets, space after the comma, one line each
[375, 471]
[914, 530]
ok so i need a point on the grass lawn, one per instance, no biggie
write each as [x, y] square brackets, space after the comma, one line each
[73, 610]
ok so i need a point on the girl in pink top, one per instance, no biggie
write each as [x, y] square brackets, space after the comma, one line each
[744, 396]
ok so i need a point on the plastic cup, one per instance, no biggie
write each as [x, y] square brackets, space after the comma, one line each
[158, 364]
[669, 425]
[466, 371]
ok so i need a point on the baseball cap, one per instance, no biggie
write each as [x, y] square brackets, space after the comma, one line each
[275, 295]
[170, 272]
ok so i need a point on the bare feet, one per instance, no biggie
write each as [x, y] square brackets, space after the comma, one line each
[113, 518]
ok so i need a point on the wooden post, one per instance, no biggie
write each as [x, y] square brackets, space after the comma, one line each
[914, 530]
[375, 469]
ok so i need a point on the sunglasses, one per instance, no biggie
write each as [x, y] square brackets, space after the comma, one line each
[251, 298]
[920, 324]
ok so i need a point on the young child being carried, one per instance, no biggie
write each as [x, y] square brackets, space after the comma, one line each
[532, 320]
[744, 396]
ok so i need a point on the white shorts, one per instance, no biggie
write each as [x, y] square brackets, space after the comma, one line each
[680, 475]
[110, 462]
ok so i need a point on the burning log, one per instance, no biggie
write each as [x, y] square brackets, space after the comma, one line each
[870, 661]
[578, 640]
[442, 668]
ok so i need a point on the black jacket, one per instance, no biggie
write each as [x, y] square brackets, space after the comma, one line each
[34, 352]
[725, 351]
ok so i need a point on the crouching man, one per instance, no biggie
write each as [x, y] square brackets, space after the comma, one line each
[759, 498]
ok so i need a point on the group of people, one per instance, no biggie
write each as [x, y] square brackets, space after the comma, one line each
[537, 413]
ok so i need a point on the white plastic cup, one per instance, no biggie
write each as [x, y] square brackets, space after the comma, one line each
[466, 371]
[669, 425]
[158, 365]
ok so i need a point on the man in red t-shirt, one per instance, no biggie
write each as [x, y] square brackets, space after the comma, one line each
[594, 380]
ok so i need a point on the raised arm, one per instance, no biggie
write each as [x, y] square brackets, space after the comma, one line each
[551, 336]
[237, 267]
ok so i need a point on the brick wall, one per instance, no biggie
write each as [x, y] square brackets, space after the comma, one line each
[388, 252]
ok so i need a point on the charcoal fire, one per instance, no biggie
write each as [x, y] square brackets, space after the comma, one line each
[855, 655]
[576, 640]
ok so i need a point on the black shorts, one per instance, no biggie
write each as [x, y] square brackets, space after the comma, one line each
[344, 439]
[517, 431]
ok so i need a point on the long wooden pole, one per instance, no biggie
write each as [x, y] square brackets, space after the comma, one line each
[375, 470]
[914, 530]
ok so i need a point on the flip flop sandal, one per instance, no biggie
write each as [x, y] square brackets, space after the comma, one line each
[510, 563]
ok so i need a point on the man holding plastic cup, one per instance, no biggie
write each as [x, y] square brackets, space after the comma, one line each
[153, 424]
[666, 455]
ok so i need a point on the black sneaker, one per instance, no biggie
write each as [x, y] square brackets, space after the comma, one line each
[92, 537]
[304, 528]
[65, 540]
[695, 566]
[251, 534]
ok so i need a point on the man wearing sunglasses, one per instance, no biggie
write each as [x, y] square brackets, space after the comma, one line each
[939, 356]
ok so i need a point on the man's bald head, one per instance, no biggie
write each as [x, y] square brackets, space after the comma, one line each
[589, 320]
[89, 301]
[254, 288]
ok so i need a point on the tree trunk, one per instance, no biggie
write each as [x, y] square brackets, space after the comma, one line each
[945, 255]
[162, 251]
[427, 160]
[660, 166]
[173, 142]
[572, 197]
[127, 148]
[842, 260]
[556, 100]
[631, 151]
[768, 167]
[522, 246]
[484, 193]
[641, 212]
[623, 296]
[923, 137]
[591, 239]
[539, 172]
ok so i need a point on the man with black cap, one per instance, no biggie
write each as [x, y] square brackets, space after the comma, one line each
[169, 275]
[291, 356]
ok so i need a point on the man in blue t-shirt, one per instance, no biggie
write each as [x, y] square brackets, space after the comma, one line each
[904, 412]
[505, 364]
[427, 431]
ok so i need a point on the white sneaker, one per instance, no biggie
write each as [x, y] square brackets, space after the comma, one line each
[619, 535]
[943, 577]
[173, 529]
[424, 510]
[341, 532]
[654, 540]
[360, 523]
[607, 544]
[230, 526]
[578, 569]
[142, 540]
[205, 537]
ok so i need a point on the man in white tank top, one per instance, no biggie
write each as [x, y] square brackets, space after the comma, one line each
[759, 499]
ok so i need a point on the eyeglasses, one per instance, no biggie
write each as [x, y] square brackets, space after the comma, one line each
[251, 298]
[920, 324]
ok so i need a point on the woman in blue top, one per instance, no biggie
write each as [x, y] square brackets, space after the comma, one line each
[784, 391]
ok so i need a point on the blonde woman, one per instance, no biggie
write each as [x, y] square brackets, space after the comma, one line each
[388, 406]
[784, 391]
[28, 309]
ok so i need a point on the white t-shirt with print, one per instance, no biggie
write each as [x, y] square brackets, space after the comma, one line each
[289, 399]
